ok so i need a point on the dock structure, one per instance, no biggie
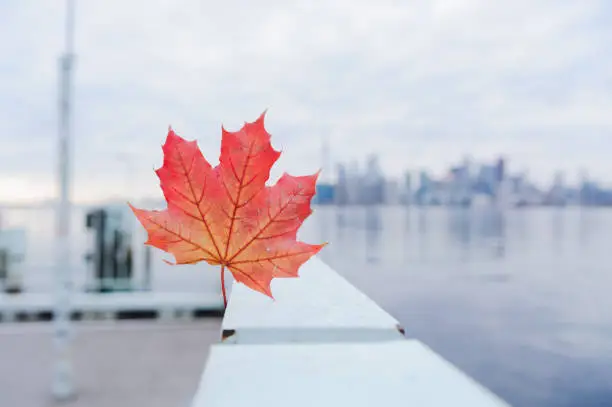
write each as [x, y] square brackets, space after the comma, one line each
[99, 290]
[320, 307]
[324, 343]
[28, 307]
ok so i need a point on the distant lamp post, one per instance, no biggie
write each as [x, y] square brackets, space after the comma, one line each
[63, 386]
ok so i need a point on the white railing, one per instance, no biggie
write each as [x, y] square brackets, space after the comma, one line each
[27, 288]
[27, 236]
[324, 343]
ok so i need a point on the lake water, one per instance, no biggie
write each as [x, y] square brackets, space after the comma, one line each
[520, 299]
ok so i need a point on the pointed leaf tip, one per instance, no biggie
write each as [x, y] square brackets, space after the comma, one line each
[262, 116]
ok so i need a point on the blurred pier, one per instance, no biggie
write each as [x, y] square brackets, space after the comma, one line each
[114, 276]
[118, 364]
[143, 326]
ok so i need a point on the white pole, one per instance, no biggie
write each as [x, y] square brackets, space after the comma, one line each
[63, 386]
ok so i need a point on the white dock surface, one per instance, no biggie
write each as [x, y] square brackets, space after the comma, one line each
[324, 343]
[403, 373]
[319, 306]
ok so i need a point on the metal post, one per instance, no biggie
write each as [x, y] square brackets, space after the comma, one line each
[325, 165]
[63, 386]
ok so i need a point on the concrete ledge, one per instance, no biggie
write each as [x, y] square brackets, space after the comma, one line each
[320, 306]
[304, 375]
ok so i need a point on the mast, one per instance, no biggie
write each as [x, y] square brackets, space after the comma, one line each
[325, 167]
[63, 387]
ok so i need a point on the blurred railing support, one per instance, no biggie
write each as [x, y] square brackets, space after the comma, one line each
[63, 386]
[12, 255]
[324, 343]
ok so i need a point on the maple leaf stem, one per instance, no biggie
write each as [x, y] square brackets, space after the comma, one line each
[223, 286]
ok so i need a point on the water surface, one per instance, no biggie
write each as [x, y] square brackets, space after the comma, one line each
[520, 299]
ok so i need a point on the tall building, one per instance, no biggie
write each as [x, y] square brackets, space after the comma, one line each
[325, 160]
[500, 169]
[423, 193]
[488, 179]
[557, 194]
[407, 193]
[324, 194]
[424, 180]
[373, 183]
[324, 188]
[460, 186]
[341, 190]
[353, 183]
[391, 193]
[501, 186]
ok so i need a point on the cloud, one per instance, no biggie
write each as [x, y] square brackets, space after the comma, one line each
[421, 83]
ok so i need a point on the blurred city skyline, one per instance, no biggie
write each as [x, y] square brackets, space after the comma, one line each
[465, 184]
[419, 83]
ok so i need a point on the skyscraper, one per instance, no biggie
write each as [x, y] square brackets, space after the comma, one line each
[407, 193]
[353, 183]
[373, 185]
[341, 191]
[325, 189]
[423, 192]
[500, 169]
[325, 159]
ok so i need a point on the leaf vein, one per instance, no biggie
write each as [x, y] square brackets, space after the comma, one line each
[206, 226]
[180, 236]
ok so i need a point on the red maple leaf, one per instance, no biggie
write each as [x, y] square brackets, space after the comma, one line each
[226, 215]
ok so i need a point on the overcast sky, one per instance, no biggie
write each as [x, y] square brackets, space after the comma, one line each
[422, 83]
